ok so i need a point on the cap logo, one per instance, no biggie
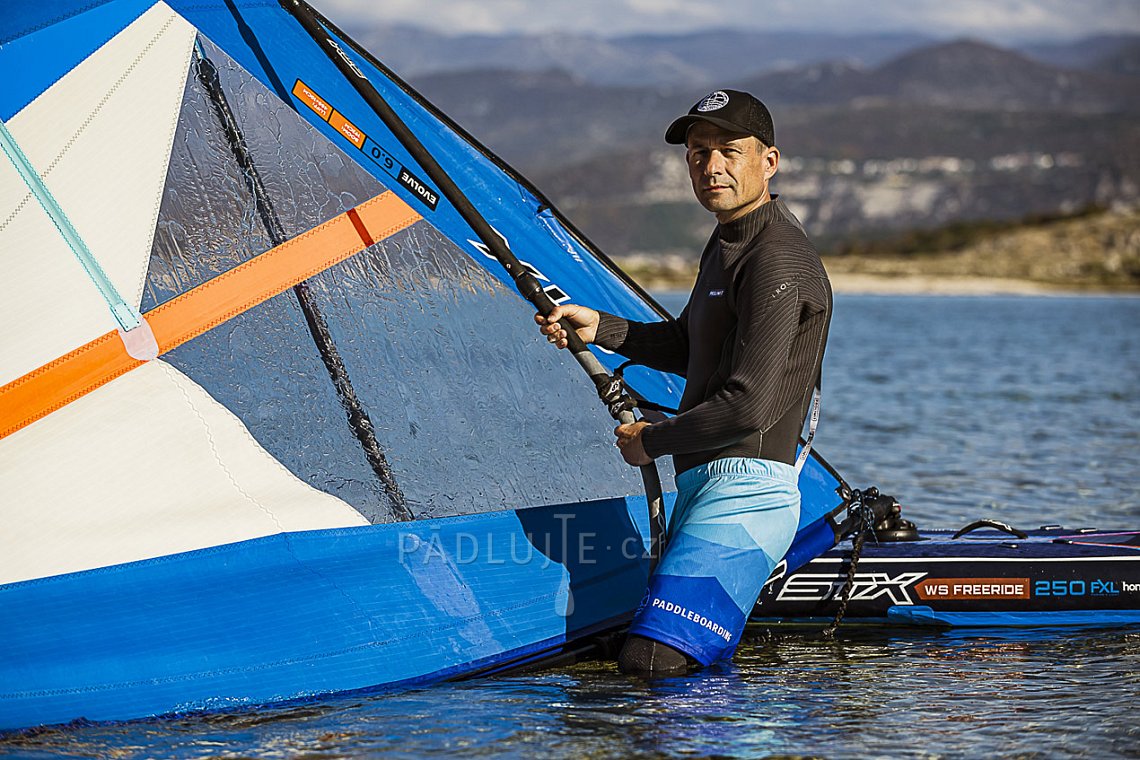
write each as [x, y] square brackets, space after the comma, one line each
[718, 99]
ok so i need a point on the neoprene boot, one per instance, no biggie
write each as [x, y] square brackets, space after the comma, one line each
[645, 657]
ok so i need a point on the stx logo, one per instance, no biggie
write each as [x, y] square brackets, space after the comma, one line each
[810, 587]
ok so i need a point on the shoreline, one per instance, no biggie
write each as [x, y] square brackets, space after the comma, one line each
[925, 285]
[850, 283]
[1085, 255]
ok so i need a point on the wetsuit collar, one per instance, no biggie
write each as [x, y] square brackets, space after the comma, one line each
[736, 236]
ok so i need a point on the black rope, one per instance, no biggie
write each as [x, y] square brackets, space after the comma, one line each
[358, 419]
[859, 509]
[638, 401]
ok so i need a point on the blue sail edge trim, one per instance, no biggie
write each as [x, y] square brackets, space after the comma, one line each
[46, 40]
[297, 615]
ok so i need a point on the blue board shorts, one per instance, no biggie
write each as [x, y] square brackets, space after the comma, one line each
[733, 521]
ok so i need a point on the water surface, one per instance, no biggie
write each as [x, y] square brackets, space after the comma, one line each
[1023, 409]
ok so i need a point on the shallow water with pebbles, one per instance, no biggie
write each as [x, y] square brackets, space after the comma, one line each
[1022, 409]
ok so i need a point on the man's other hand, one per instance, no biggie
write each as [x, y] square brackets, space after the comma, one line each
[629, 441]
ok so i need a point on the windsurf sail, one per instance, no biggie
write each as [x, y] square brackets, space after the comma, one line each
[230, 171]
[335, 347]
[264, 112]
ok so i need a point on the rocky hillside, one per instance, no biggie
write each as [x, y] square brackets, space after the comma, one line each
[671, 60]
[963, 74]
[1096, 250]
[700, 60]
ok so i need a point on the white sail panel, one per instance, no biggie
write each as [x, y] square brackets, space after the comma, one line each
[40, 329]
[145, 466]
[100, 138]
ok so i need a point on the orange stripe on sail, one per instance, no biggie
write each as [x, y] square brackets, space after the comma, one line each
[73, 375]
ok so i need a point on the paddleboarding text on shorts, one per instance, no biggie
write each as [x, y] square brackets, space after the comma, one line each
[681, 611]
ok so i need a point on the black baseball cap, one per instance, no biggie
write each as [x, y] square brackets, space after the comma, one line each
[729, 109]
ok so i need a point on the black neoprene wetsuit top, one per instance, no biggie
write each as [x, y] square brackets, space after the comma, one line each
[749, 343]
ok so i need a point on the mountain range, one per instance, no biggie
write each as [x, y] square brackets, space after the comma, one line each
[697, 60]
[878, 133]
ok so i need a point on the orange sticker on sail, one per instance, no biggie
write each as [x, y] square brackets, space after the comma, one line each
[347, 128]
[314, 101]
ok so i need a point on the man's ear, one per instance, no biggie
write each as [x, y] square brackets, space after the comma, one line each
[771, 162]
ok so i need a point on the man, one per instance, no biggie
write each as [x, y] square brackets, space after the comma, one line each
[750, 345]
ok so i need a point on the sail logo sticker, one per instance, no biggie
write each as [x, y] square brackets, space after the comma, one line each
[811, 587]
[369, 147]
[347, 128]
[421, 190]
[344, 57]
[314, 101]
[556, 294]
[713, 102]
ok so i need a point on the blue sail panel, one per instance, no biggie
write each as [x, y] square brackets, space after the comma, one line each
[295, 615]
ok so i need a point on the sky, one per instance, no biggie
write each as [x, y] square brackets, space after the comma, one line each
[993, 20]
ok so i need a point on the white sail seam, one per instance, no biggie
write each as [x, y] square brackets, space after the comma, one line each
[174, 378]
[67, 146]
[175, 116]
[126, 315]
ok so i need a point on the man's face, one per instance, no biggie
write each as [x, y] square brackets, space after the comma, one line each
[729, 171]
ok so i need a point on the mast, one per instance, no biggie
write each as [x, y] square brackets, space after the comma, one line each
[610, 389]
